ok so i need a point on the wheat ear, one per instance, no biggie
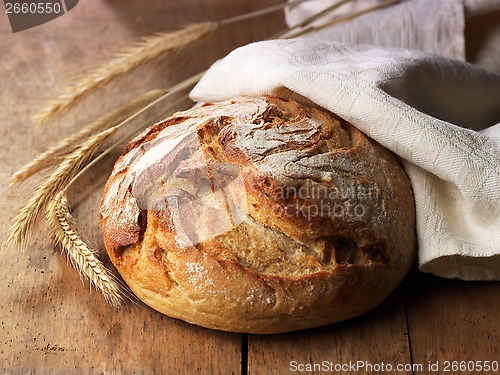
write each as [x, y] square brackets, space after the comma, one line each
[153, 47]
[150, 48]
[70, 166]
[81, 255]
[56, 182]
[69, 144]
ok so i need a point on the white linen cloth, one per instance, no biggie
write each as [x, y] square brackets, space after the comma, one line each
[424, 25]
[426, 108]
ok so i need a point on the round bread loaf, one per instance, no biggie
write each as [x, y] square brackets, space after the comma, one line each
[259, 215]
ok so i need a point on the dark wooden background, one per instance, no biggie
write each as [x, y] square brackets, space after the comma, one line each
[50, 323]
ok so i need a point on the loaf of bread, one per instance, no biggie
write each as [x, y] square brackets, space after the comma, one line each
[259, 215]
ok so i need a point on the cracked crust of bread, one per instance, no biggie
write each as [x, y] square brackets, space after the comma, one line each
[259, 215]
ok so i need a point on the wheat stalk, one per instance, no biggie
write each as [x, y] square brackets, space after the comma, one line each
[56, 182]
[50, 196]
[179, 104]
[260, 12]
[70, 166]
[344, 18]
[286, 34]
[153, 47]
[81, 255]
[69, 144]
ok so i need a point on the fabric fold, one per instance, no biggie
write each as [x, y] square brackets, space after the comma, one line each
[425, 108]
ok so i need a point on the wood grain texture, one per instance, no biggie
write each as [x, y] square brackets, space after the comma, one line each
[376, 337]
[452, 320]
[49, 321]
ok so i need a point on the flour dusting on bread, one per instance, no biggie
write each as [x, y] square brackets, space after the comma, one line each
[259, 215]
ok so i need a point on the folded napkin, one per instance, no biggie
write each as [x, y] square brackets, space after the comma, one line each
[429, 110]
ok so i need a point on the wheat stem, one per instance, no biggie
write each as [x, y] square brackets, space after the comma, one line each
[70, 166]
[260, 12]
[50, 196]
[150, 48]
[72, 142]
[57, 181]
[344, 18]
[172, 108]
[284, 34]
[195, 78]
[82, 256]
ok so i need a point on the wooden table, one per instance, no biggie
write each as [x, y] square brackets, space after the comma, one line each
[51, 324]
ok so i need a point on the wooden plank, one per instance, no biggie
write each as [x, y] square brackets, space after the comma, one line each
[49, 322]
[378, 338]
[452, 320]
[52, 324]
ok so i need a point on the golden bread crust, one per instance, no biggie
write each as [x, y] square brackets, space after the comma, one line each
[259, 215]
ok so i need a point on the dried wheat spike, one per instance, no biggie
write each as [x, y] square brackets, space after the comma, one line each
[57, 181]
[151, 48]
[69, 144]
[82, 256]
